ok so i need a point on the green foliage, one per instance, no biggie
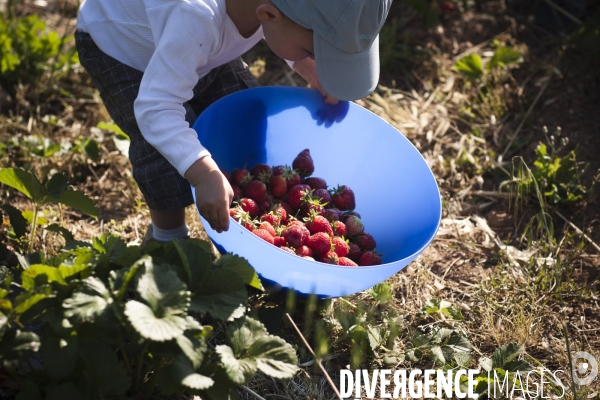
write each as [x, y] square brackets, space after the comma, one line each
[470, 67]
[117, 322]
[25, 50]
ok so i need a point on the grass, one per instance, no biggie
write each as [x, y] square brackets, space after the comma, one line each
[511, 279]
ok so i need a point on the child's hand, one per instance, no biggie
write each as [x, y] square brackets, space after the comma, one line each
[308, 70]
[213, 192]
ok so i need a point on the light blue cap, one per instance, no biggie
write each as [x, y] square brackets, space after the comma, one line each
[346, 39]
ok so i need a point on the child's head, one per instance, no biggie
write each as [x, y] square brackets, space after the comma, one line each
[342, 35]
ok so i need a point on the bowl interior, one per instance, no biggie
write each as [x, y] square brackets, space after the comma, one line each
[396, 193]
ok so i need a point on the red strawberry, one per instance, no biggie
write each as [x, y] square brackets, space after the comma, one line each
[345, 261]
[237, 191]
[323, 196]
[261, 171]
[331, 258]
[354, 225]
[339, 228]
[279, 209]
[292, 178]
[279, 241]
[278, 186]
[318, 223]
[232, 212]
[447, 7]
[298, 195]
[333, 214]
[343, 198]
[263, 234]
[303, 163]
[242, 217]
[348, 214]
[295, 235]
[365, 241]
[240, 177]
[278, 169]
[369, 258]
[294, 222]
[355, 252]
[316, 183]
[340, 246]
[287, 249]
[312, 206]
[267, 227]
[304, 251]
[256, 190]
[264, 204]
[249, 206]
[320, 242]
[271, 218]
[227, 175]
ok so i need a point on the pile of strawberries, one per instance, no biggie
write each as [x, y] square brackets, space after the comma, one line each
[295, 211]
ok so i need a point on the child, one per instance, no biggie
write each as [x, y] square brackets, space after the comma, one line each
[158, 63]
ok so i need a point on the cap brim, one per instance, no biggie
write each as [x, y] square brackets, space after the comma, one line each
[347, 76]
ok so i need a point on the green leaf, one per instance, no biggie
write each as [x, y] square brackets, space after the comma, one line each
[91, 148]
[25, 182]
[470, 67]
[155, 327]
[382, 292]
[243, 332]
[517, 365]
[17, 346]
[274, 357]
[53, 274]
[486, 363]
[89, 303]
[111, 127]
[241, 266]
[77, 200]
[194, 348]
[196, 259]
[463, 359]
[505, 354]
[181, 372]
[107, 375]
[239, 371]
[66, 390]
[163, 290]
[222, 294]
[119, 280]
[437, 355]
[63, 231]
[458, 343]
[18, 222]
[57, 185]
[26, 300]
[59, 356]
[502, 57]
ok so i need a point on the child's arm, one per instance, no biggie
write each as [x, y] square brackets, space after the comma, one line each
[308, 70]
[213, 192]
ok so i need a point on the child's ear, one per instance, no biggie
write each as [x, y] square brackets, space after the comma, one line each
[269, 12]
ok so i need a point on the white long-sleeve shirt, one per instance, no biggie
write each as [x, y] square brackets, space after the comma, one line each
[175, 43]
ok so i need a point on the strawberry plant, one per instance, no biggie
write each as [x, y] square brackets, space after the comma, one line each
[122, 322]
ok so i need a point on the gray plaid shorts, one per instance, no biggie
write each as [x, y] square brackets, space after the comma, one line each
[162, 186]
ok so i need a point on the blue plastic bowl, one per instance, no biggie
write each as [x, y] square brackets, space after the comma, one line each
[396, 193]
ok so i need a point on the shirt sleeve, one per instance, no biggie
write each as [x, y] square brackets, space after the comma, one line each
[184, 40]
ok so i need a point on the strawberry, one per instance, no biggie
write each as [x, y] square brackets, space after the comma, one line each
[345, 261]
[320, 242]
[354, 253]
[294, 222]
[304, 251]
[237, 191]
[308, 258]
[365, 241]
[261, 171]
[298, 195]
[280, 210]
[292, 178]
[343, 198]
[267, 227]
[278, 186]
[242, 217]
[295, 235]
[278, 169]
[279, 241]
[331, 258]
[333, 214]
[240, 177]
[316, 183]
[263, 234]
[271, 218]
[264, 204]
[354, 225]
[348, 214]
[303, 163]
[323, 196]
[249, 206]
[340, 246]
[232, 212]
[256, 190]
[287, 249]
[369, 258]
[318, 223]
[339, 228]
[447, 7]
[312, 206]
[227, 175]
